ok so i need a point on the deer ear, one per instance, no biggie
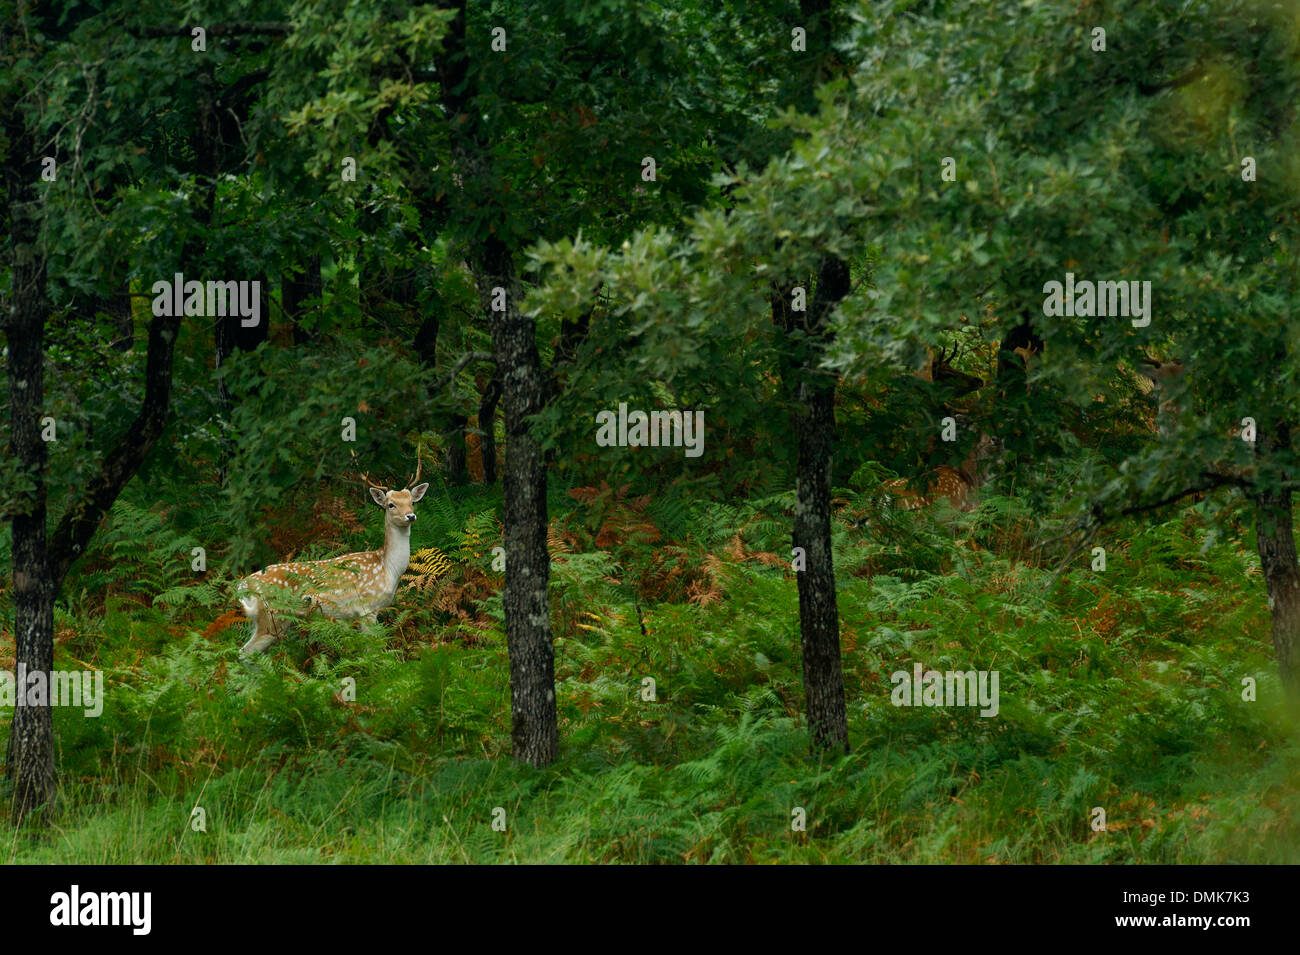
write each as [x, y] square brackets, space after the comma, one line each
[378, 494]
[417, 492]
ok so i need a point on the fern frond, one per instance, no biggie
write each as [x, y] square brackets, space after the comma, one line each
[430, 562]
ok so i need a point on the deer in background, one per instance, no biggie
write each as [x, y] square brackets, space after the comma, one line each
[958, 484]
[1166, 378]
[351, 587]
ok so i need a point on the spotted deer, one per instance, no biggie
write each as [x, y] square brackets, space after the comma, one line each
[351, 587]
[959, 485]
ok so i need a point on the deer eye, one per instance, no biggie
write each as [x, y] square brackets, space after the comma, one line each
[391, 504]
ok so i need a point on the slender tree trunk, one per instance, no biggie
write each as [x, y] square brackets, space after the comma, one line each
[1275, 539]
[455, 456]
[41, 559]
[30, 760]
[812, 391]
[819, 622]
[533, 726]
[487, 423]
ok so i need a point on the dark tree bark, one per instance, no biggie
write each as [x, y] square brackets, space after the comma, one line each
[41, 561]
[455, 456]
[78, 526]
[30, 760]
[487, 424]
[812, 392]
[533, 725]
[426, 340]
[534, 728]
[1275, 540]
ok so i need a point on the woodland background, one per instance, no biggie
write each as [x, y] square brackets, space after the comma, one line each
[794, 146]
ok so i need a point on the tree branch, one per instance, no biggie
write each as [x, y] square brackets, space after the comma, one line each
[1096, 516]
[1209, 481]
[78, 526]
[1191, 76]
[461, 362]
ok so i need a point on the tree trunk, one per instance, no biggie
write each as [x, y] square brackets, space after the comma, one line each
[30, 760]
[455, 459]
[487, 423]
[812, 391]
[1275, 539]
[41, 559]
[533, 726]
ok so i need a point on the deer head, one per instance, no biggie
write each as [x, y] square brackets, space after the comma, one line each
[939, 370]
[398, 505]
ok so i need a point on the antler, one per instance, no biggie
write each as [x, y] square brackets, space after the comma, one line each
[366, 477]
[418, 465]
[946, 358]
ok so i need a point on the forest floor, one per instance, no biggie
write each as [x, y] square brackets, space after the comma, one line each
[1120, 689]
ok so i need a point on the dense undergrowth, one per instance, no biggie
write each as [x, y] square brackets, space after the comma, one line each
[1120, 689]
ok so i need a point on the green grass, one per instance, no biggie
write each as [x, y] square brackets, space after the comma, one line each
[1119, 689]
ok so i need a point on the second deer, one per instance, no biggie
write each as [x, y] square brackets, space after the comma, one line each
[959, 485]
[351, 587]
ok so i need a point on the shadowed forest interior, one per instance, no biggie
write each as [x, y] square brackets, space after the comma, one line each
[768, 431]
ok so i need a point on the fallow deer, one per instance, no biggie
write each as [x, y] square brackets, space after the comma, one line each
[351, 587]
[959, 485]
[1166, 378]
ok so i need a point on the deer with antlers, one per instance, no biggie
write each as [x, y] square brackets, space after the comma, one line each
[351, 587]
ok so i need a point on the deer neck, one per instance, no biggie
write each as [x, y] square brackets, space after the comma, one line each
[396, 554]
